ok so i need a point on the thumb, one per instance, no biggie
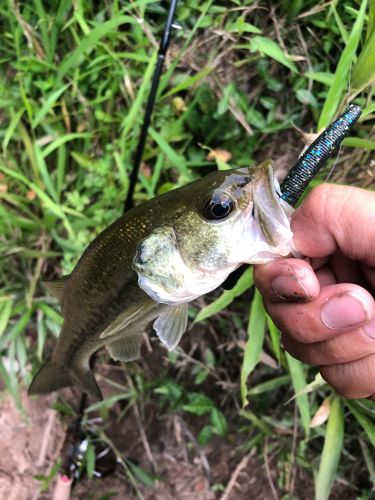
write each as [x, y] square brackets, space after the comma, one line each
[336, 217]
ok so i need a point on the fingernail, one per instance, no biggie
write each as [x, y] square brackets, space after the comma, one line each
[289, 287]
[343, 311]
[370, 329]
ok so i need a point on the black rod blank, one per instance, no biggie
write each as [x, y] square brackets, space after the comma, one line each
[164, 44]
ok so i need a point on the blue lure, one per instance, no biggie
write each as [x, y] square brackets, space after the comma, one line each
[317, 154]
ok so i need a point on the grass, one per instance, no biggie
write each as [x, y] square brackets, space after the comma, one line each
[74, 81]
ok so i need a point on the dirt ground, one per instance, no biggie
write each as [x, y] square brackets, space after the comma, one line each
[32, 443]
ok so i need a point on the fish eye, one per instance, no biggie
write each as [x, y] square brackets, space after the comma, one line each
[219, 206]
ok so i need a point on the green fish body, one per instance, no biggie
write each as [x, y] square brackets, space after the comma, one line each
[151, 262]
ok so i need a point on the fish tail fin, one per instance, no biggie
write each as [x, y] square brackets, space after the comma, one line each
[50, 377]
[53, 376]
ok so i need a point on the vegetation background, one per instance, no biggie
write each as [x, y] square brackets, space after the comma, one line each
[229, 406]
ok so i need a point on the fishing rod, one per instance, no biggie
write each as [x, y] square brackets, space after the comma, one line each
[70, 467]
[163, 47]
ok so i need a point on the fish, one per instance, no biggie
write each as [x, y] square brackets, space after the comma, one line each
[155, 259]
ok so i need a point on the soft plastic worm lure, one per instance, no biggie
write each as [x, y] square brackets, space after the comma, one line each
[316, 155]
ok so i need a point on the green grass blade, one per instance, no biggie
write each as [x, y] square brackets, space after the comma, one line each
[371, 20]
[5, 313]
[370, 463]
[275, 338]
[368, 110]
[340, 25]
[43, 28]
[188, 82]
[43, 169]
[333, 444]
[364, 70]
[270, 48]
[90, 41]
[254, 344]
[177, 160]
[12, 127]
[62, 140]
[321, 77]
[227, 297]
[61, 13]
[48, 103]
[366, 423]
[11, 383]
[340, 80]
[47, 201]
[356, 142]
[299, 383]
[134, 113]
[257, 422]
[269, 385]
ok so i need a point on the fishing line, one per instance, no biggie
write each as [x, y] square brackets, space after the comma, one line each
[345, 103]
[334, 164]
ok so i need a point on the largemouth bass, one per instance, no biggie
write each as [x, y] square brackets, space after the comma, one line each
[151, 262]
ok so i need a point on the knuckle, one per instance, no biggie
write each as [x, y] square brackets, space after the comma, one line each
[348, 379]
[298, 327]
[335, 352]
[332, 374]
[296, 349]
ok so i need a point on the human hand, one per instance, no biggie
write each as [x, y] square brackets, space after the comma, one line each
[325, 309]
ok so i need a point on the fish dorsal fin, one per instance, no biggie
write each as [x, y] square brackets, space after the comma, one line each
[126, 348]
[56, 288]
[171, 325]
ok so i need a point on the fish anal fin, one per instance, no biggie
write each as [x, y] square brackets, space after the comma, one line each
[126, 348]
[85, 379]
[171, 325]
[56, 288]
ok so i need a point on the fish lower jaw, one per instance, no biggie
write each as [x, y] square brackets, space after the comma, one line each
[194, 286]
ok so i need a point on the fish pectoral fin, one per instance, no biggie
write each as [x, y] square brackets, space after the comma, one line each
[56, 288]
[126, 349]
[171, 325]
[122, 321]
